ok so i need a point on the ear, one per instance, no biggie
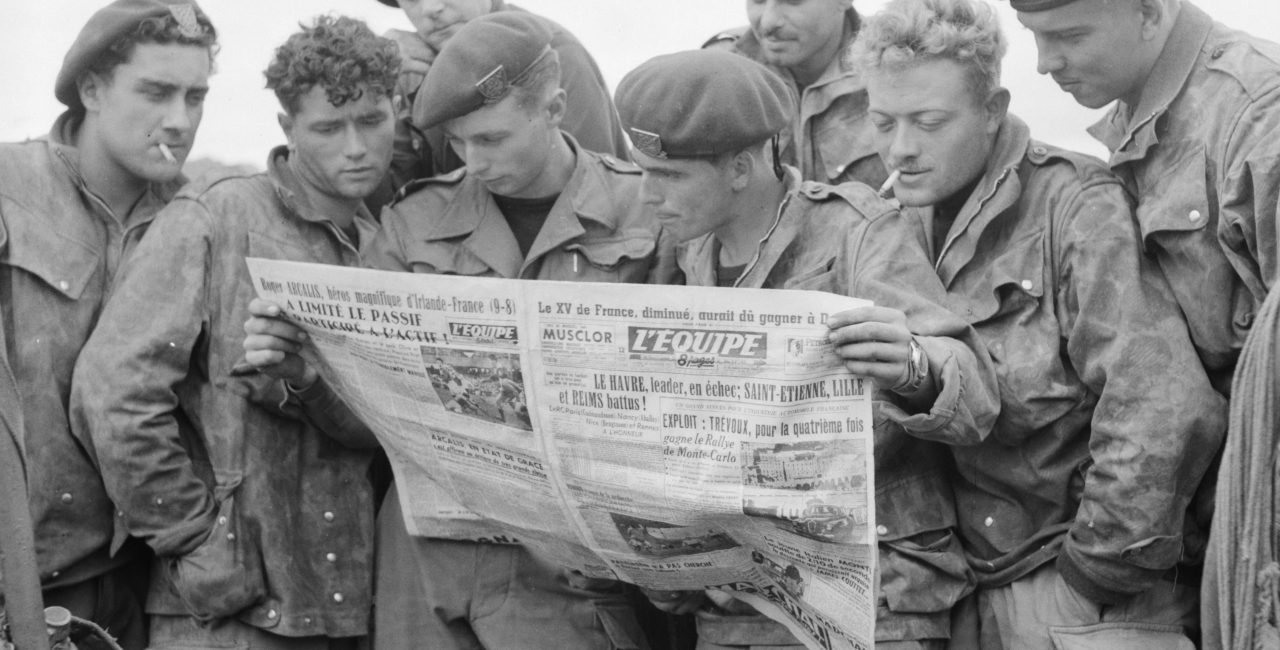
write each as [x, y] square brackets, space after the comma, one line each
[996, 107]
[90, 87]
[742, 170]
[556, 107]
[1155, 15]
[285, 121]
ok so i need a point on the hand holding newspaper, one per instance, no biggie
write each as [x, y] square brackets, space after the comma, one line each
[677, 438]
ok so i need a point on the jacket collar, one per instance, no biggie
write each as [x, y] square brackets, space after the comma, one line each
[288, 189]
[473, 214]
[698, 258]
[996, 192]
[1123, 123]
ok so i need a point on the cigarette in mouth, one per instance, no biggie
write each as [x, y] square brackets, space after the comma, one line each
[888, 183]
[168, 155]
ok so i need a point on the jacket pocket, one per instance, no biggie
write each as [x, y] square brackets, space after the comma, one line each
[60, 261]
[224, 574]
[621, 258]
[1120, 636]
[1015, 280]
[1176, 202]
[446, 258]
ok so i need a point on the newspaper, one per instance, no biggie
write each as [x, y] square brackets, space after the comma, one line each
[678, 438]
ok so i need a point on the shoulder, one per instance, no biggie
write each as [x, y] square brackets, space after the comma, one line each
[1253, 64]
[725, 39]
[611, 165]
[432, 191]
[1069, 167]
[834, 199]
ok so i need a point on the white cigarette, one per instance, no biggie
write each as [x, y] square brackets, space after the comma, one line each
[888, 183]
[168, 155]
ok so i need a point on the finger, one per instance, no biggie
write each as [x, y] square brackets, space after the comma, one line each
[876, 352]
[263, 307]
[884, 374]
[870, 331]
[265, 358]
[870, 313]
[255, 342]
[276, 327]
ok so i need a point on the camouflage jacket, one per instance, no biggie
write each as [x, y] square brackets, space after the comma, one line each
[845, 240]
[1108, 420]
[254, 500]
[1201, 152]
[830, 141]
[60, 248]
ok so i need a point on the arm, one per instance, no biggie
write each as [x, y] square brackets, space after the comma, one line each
[1249, 196]
[128, 377]
[963, 398]
[1157, 421]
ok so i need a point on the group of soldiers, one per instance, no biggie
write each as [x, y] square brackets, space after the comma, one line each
[1053, 336]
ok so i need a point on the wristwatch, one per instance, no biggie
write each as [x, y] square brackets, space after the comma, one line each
[917, 369]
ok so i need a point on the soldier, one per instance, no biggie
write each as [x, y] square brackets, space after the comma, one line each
[1194, 133]
[251, 487]
[1073, 511]
[422, 151]
[530, 203]
[805, 41]
[73, 205]
[706, 125]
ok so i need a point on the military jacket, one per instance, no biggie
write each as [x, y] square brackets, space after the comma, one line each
[830, 141]
[256, 506]
[847, 241]
[597, 231]
[1108, 420]
[60, 248]
[1201, 152]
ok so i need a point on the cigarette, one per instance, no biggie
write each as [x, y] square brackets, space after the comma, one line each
[888, 184]
[168, 155]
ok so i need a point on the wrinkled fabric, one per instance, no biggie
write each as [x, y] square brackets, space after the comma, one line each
[1201, 152]
[597, 231]
[1108, 420]
[845, 240]
[60, 248]
[230, 479]
[589, 115]
[829, 139]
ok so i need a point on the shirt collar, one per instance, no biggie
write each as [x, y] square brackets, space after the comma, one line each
[289, 189]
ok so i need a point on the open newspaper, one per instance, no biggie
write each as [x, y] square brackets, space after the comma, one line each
[676, 438]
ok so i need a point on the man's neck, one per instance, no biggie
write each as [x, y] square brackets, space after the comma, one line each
[106, 178]
[555, 175]
[812, 69]
[753, 217]
[339, 210]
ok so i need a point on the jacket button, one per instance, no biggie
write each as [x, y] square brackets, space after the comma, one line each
[989, 522]
[882, 530]
[337, 598]
[64, 285]
[332, 557]
[1218, 52]
[67, 498]
[328, 516]
[1027, 285]
[273, 614]
[1194, 215]
[55, 574]
[222, 521]
[1039, 150]
[306, 620]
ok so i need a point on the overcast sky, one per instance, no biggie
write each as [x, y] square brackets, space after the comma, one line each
[240, 126]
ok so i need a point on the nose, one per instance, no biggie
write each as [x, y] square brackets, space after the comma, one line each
[477, 164]
[1048, 59]
[770, 17]
[904, 148]
[354, 146]
[178, 116]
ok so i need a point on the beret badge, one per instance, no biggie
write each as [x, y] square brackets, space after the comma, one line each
[648, 143]
[188, 24]
[493, 87]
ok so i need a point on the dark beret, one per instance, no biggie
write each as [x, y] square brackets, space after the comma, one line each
[105, 28]
[1037, 5]
[480, 63]
[390, 3]
[702, 103]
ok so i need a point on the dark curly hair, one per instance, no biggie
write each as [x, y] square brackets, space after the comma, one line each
[161, 30]
[341, 55]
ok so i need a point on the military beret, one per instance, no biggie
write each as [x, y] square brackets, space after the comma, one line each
[480, 64]
[107, 26]
[1037, 5]
[702, 103]
[390, 3]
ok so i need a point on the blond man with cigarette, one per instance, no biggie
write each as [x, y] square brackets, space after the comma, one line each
[1073, 513]
[72, 206]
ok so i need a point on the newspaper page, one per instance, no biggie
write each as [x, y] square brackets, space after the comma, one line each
[678, 438]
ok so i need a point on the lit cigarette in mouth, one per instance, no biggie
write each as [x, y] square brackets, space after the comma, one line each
[168, 155]
[888, 183]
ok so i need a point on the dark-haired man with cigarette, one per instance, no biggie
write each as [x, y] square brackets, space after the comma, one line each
[73, 204]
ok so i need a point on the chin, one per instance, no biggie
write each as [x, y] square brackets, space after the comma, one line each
[916, 198]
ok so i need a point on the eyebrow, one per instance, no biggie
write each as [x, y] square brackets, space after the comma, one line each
[156, 84]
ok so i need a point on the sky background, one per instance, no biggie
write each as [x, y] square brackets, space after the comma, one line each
[240, 116]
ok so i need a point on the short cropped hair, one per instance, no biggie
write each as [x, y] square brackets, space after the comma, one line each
[539, 82]
[159, 30]
[912, 31]
[341, 55]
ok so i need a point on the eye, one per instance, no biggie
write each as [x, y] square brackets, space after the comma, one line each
[195, 99]
[373, 120]
[882, 125]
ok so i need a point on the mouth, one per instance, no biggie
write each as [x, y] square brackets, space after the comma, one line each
[1066, 84]
[171, 151]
